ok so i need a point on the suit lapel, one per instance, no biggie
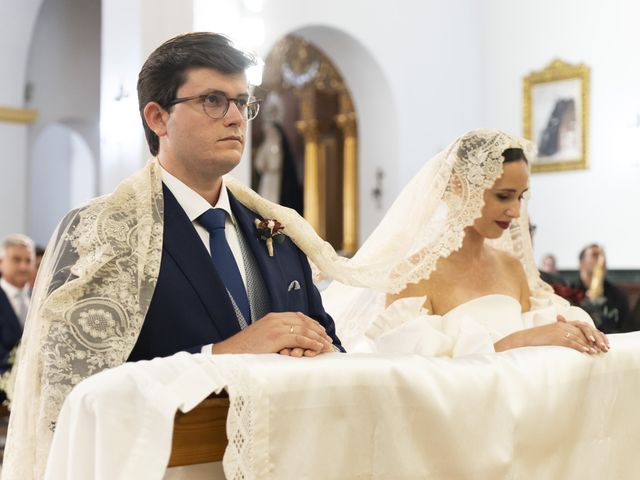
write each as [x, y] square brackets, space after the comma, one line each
[270, 267]
[182, 243]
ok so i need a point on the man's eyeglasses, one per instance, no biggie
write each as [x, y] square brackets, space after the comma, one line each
[216, 105]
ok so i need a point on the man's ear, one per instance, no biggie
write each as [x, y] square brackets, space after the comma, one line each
[156, 118]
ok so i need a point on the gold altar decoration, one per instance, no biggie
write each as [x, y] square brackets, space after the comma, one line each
[18, 115]
[556, 116]
[326, 120]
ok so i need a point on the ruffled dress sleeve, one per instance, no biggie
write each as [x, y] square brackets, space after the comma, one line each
[406, 327]
[545, 310]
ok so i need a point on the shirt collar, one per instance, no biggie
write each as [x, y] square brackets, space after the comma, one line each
[191, 202]
[11, 290]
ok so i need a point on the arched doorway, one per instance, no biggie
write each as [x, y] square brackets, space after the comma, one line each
[305, 146]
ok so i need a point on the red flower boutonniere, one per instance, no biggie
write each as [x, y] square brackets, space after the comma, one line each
[269, 230]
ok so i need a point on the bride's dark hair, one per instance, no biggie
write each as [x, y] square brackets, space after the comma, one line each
[514, 155]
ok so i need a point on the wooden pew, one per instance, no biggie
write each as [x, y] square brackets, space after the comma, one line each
[200, 435]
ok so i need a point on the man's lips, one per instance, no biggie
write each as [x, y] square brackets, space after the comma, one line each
[232, 138]
[503, 225]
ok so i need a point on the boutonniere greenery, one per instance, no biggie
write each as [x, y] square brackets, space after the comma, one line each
[270, 230]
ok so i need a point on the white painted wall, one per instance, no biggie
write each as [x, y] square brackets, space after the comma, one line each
[131, 30]
[572, 209]
[16, 27]
[64, 73]
[50, 157]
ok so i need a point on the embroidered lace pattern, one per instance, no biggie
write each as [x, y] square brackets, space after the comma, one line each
[93, 291]
[239, 461]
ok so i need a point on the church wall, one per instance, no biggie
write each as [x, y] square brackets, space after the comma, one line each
[16, 26]
[63, 74]
[131, 30]
[572, 209]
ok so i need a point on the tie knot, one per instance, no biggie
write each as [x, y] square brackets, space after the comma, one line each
[213, 219]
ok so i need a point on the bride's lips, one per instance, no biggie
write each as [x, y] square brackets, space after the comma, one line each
[503, 225]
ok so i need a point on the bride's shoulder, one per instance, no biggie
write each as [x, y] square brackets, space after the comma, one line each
[423, 288]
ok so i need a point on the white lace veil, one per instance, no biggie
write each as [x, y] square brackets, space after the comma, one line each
[427, 222]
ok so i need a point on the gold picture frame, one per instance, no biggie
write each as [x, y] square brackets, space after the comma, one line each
[556, 116]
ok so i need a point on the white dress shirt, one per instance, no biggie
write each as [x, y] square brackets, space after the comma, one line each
[18, 298]
[195, 205]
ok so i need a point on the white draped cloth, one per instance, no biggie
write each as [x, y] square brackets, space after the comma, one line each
[530, 413]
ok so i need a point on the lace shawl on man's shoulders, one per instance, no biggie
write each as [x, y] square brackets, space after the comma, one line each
[91, 297]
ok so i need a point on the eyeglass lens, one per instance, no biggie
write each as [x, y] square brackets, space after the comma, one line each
[216, 105]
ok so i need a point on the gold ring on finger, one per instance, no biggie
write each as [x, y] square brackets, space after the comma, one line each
[291, 329]
[567, 335]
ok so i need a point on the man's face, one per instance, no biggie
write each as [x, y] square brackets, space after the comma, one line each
[17, 265]
[590, 259]
[195, 147]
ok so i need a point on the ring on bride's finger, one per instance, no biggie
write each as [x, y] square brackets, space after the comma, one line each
[291, 329]
[567, 335]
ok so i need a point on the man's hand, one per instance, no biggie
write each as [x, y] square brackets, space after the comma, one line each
[283, 332]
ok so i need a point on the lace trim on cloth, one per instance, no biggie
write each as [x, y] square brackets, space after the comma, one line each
[247, 422]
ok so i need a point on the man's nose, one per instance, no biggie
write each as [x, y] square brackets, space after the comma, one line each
[233, 115]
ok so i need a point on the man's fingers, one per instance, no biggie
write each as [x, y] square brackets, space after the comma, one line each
[306, 343]
[309, 331]
[314, 325]
[297, 352]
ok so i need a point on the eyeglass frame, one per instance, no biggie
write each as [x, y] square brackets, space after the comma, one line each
[249, 100]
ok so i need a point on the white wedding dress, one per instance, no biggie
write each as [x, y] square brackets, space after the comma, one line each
[472, 327]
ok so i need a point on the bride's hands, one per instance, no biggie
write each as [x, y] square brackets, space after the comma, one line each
[596, 338]
[577, 335]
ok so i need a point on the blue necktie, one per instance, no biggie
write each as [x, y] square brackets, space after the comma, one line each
[223, 260]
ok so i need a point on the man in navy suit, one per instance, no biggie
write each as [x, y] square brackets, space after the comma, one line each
[195, 105]
[17, 256]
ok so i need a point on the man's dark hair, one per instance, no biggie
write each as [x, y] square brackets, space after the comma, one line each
[583, 252]
[165, 69]
[514, 155]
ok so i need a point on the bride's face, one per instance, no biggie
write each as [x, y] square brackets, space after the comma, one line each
[502, 200]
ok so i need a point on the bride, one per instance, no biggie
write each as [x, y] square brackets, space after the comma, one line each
[452, 264]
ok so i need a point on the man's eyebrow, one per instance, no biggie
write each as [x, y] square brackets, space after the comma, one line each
[213, 90]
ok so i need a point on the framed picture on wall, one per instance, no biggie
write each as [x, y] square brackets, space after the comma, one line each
[556, 116]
